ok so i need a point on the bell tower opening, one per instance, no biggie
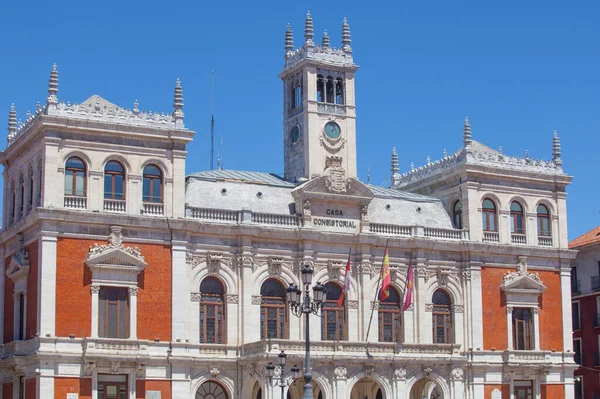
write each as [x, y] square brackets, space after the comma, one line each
[319, 110]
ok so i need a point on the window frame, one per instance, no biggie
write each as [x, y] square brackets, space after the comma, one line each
[112, 175]
[522, 325]
[544, 217]
[73, 171]
[339, 314]
[517, 216]
[152, 180]
[457, 215]
[214, 301]
[387, 307]
[278, 303]
[443, 311]
[489, 215]
[122, 292]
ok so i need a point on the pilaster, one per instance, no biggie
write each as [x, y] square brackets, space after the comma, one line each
[133, 293]
[340, 383]
[180, 291]
[95, 290]
[47, 284]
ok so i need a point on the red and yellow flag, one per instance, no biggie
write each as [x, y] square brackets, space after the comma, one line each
[409, 287]
[386, 278]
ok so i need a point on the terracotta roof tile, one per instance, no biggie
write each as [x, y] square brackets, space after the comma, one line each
[589, 238]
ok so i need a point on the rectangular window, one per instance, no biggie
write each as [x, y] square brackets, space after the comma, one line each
[113, 313]
[522, 329]
[112, 386]
[21, 321]
[21, 387]
[577, 350]
[574, 281]
[523, 390]
[575, 316]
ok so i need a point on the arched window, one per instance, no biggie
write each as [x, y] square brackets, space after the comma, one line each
[273, 310]
[320, 89]
[38, 198]
[21, 210]
[333, 322]
[489, 215]
[298, 93]
[211, 390]
[339, 91]
[543, 221]
[212, 312]
[153, 189]
[330, 90]
[442, 318]
[292, 95]
[30, 180]
[457, 215]
[75, 177]
[13, 203]
[516, 218]
[114, 181]
[389, 318]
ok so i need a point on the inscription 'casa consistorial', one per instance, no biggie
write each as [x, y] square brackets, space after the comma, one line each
[335, 223]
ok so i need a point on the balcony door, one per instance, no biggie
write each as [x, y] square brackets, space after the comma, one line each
[112, 387]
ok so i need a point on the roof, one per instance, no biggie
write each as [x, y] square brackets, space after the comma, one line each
[242, 176]
[382, 192]
[589, 238]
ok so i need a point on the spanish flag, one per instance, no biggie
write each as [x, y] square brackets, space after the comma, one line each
[386, 278]
[409, 287]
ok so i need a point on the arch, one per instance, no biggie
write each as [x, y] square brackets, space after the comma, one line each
[524, 204]
[339, 91]
[374, 375]
[320, 88]
[547, 204]
[351, 294]
[224, 380]
[431, 376]
[451, 287]
[227, 277]
[494, 198]
[329, 90]
[262, 274]
[76, 171]
[79, 154]
[163, 167]
[119, 158]
[296, 390]
[211, 390]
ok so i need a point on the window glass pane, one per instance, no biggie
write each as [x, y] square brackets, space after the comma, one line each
[79, 184]
[69, 183]
[488, 204]
[119, 186]
[152, 170]
[108, 179]
[515, 207]
[75, 163]
[542, 210]
[156, 197]
[146, 189]
[114, 166]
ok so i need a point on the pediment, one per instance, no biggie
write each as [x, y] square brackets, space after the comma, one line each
[524, 284]
[332, 186]
[18, 266]
[115, 256]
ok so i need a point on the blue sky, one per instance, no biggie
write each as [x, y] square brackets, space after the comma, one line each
[518, 70]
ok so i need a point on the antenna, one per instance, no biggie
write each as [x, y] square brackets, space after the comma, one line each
[368, 174]
[212, 124]
[220, 156]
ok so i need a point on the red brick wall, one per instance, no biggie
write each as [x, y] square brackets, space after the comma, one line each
[32, 290]
[9, 310]
[589, 343]
[488, 389]
[63, 386]
[30, 388]
[141, 386]
[552, 391]
[7, 390]
[73, 296]
[494, 310]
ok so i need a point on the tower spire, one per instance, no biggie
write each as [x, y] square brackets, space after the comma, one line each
[467, 133]
[289, 39]
[309, 30]
[326, 43]
[178, 104]
[346, 40]
[12, 123]
[556, 150]
[395, 169]
[52, 87]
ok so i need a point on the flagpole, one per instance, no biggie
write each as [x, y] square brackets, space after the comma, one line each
[376, 291]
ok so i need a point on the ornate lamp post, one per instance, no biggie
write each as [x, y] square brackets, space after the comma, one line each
[283, 381]
[307, 306]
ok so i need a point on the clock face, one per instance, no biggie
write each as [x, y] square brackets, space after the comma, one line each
[295, 134]
[332, 130]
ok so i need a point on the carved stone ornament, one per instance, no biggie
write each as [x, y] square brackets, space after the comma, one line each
[332, 145]
[466, 275]
[275, 264]
[194, 260]
[88, 368]
[195, 296]
[334, 269]
[364, 213]
[18, 268]
[132, 290]
[95, 289]
[509, 375]
[458, 308]
[336, 180]
[340, 372]
[427, 372]
[521, 271]
[400, 373]
[352, 304]
[245, 260]
[374, 305]
[429, 307]
[366, 266]
[411, 307]
[509, 310]
[139, 370]
[256, 299]
[421, 271]
[214, 372]
[115, 257]
[231, 298]
[114, 367]
[457, 373]
[521, 282]
[306, 208]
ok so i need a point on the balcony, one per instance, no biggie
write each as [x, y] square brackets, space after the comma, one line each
[153, 209]
[519, 239]
[114, 205]
[75, 202]
[595, 280]
[544, 241]
[491, 236]
[575, 286]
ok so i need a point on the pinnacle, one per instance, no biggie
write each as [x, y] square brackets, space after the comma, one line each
[309, 29]
[326, 43]
[289, 38]
[467, 132]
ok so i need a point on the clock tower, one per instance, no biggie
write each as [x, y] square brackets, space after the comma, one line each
[319, 114]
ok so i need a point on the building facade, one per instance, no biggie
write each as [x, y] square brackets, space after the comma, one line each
[585, 290]
[126, 279]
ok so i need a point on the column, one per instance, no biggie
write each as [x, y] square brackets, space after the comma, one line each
[180, 290]
[399, 383]
[476, 305]
[47, 284]
[95, 290]
[45, 380]
[340, 383]
[565, 288]
[423, 327]
[95, 383]
[133, 292]
[536, 328]
[457, 385]
[509, 311]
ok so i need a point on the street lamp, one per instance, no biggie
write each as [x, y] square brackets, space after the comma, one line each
[282, 381]
[310, 305]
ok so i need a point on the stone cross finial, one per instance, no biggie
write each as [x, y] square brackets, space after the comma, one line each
[326, 43]
[178, 103]
[556, 150]
[136, 107]
[12, 123]
[395, 168]
[467, 133]
[53, 87]
[289, 39]
[309, 30]
[346, 40]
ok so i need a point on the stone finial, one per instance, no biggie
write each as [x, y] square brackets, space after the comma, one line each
[500, 150]
[346, 40]
[467, 133]
[136, 107]
[309, 30]
[412, 166]
[556, 150]
[326, 43]
[38, 108]
[289, 39]
[526, 154]
[178, 102]
[428, 160]
[53, 87]
[395, 168]
[12, 123]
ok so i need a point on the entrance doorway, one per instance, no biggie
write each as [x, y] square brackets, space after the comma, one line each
[426, 389]
[366, 388]
[112, 386]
